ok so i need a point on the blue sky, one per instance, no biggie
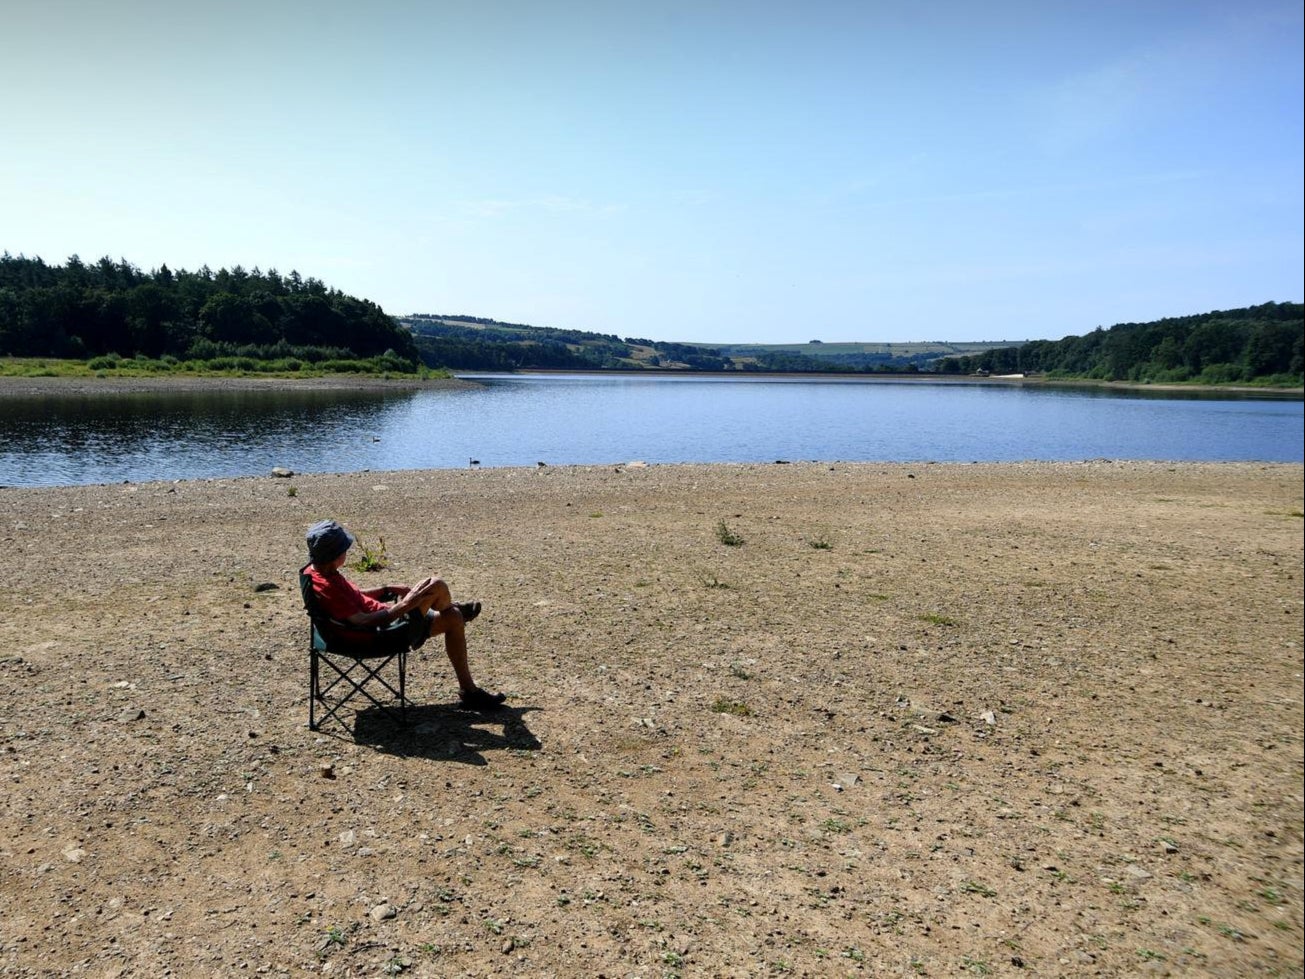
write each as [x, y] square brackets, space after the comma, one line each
[710, 171]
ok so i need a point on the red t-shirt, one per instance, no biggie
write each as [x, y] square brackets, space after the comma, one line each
[339, 597]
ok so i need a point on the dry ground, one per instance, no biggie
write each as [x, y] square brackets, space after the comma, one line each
[939, 720]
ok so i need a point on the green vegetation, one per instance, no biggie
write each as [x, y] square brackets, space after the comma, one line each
[934, 619]
[371, 558]
[120, 319]
[110, 318]
[1258, 344]
[724, 705]
[726, 536]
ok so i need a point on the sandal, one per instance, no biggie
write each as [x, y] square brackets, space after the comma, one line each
[469, 610]
[483, 700]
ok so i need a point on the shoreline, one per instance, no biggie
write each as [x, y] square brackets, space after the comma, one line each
[28, 386]
[24, 386]
[922, 716]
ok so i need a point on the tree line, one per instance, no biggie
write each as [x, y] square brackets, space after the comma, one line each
[113, 309]
[1257, 343]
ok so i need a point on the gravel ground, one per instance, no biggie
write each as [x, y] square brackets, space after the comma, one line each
[1019, 719]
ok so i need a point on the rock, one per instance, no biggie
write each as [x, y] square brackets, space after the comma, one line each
[508, 946]
[266, 586]
[74, 854]
[989, 718]
[847, 779]
[281, 473]
[131, 714]
[326, 769]
[348, 838]
[1133, 870]
[383, 912]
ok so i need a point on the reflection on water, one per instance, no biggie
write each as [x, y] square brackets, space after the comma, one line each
[513, 420]
[113, 437]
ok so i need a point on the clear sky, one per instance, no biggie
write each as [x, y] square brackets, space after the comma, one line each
[677, 169]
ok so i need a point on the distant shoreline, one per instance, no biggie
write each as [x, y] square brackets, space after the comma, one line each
[28, 386]
[20, 386]
[1297, 393]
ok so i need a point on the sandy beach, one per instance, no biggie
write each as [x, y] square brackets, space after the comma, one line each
[1018, 719]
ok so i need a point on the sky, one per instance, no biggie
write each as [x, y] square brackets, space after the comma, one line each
[690, 170]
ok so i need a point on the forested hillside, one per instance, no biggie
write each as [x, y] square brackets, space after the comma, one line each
[1259, 343]
[113, 308]
[475, 343]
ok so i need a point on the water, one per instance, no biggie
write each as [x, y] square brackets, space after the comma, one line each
[514, 420]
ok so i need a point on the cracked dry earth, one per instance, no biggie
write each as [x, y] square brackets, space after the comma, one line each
[1020, 719]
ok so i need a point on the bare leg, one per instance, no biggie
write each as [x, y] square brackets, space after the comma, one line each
[449, 623]
[432, 593]
[450, 620]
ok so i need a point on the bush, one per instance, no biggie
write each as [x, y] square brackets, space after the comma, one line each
[1222, 374]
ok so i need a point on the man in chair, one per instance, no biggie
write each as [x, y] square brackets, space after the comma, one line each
[427, 607]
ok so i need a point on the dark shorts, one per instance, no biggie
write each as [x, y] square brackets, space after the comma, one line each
[418, 624]
[406, 632]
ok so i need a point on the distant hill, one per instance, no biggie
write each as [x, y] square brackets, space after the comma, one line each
[476, 343]
[1257, 344]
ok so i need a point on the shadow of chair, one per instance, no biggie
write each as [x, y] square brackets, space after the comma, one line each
[446, 732]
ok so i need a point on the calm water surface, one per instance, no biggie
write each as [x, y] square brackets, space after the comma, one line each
[513, 420]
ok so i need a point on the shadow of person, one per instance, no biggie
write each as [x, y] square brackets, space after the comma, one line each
[445, 732]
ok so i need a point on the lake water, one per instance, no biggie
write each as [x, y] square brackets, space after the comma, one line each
[515, 420]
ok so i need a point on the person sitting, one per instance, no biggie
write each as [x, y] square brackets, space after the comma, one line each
[427, 608]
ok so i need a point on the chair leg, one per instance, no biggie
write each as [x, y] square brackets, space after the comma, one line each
[314, 689]
[353, 679]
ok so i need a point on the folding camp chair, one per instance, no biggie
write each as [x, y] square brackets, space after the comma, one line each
[354, 659]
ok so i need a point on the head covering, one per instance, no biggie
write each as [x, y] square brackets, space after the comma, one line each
[327, 540]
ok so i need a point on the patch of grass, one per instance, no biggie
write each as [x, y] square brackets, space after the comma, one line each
[976, 887]
[371, 558]
[726, 536]
[934, 619]
[291, 491]
[740, 671]
[724, 705]
[819, 544]
[977, 966]
[714, 582]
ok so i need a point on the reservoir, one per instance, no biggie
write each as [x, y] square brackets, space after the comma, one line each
[565, 419]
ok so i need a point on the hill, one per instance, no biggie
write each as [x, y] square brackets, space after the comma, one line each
[471, 342]
[1261, 344]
